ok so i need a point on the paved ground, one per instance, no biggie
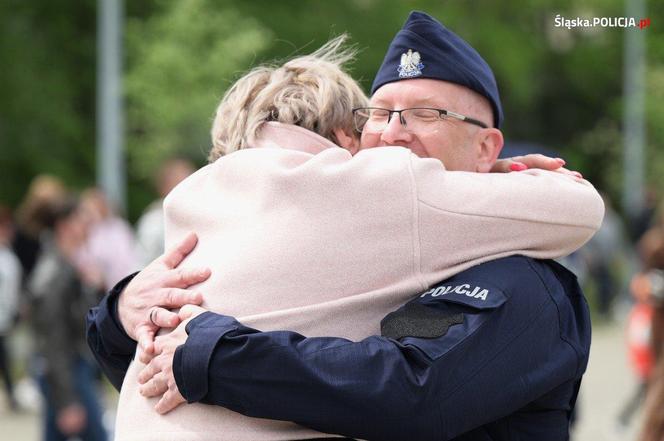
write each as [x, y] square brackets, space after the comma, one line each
[607, 386]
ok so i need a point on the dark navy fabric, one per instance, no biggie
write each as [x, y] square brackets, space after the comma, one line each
[106, 337]
[424, 48]
[510, 371]
[417, 320]
[191, 361]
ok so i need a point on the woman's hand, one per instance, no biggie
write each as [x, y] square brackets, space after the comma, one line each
[535, 160]
[142, 306]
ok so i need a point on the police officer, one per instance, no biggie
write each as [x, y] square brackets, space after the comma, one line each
[494, 353]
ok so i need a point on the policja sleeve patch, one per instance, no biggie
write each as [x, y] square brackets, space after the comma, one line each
[419, 321]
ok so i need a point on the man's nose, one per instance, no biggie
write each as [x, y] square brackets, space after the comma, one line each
[395, 133]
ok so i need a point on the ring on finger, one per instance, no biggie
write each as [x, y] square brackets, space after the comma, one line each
[152, 313]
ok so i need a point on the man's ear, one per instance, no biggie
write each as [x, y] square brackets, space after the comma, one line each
[490, 142]
[349, 141]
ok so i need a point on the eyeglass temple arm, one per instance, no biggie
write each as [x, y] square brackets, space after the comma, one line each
[465, 118]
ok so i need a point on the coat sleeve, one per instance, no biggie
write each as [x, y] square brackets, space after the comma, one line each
[111, 346]
[477, 217]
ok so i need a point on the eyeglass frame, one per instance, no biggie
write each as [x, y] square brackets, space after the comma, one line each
[402, 120]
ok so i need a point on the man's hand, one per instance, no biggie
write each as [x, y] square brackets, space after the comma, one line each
[142, 305]
[157, 377]
[535, 160]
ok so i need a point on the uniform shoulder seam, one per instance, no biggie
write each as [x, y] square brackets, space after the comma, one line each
[562, 337]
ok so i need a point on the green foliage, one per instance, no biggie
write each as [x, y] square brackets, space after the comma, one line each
[655, 123]
[561, 88]
[180, 61]
[47, 93]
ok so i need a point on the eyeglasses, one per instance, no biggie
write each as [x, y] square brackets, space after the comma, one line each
[416, 119]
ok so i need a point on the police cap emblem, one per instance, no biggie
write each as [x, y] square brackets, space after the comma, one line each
[410, 65]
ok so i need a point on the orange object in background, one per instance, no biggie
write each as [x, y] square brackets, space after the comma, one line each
[639, 330]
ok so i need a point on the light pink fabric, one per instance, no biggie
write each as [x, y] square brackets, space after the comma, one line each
[310, 239]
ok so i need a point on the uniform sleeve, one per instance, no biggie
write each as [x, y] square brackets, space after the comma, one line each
[111, 346]
[472, 364]
[476, 217]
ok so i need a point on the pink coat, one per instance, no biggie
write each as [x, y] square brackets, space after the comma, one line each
[301, 235]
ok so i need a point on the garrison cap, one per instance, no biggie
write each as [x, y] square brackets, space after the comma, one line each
[424, 48]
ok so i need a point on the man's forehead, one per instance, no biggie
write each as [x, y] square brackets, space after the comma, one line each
[419, 92]
[413, 101]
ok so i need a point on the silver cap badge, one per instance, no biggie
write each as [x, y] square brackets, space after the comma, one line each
[410, 65]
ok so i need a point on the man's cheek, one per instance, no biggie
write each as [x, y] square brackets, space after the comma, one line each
[369, 140]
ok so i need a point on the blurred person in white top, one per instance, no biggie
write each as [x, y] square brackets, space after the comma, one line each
[10, 284]
[150, 226]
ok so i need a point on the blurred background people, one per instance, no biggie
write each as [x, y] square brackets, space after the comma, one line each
[111, 246]
[10, 284]
[602, 255]
[150, 226]
[61, 294]
[642, 221]
[31, 218]
[648, 288]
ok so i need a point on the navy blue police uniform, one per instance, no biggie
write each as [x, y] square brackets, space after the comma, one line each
[494, 353]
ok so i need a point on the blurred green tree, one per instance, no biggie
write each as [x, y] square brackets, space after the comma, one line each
[561, 88]
[47, 84]
[180, 60]
[179, 63]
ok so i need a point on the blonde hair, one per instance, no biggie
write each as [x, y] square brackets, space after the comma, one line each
[312, 91]
[44, 191]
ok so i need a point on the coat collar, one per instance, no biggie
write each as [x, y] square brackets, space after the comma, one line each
[287, 136]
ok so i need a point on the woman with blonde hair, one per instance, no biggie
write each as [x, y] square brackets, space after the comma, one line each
[43, 192]
[303, 235]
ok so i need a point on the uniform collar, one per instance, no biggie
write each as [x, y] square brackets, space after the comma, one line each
[287, 136]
